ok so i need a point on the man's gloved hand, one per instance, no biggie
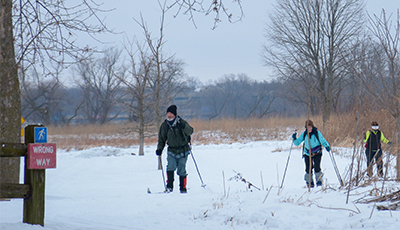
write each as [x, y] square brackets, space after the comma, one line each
[294, 136]
[158, 152]
[180, 125]
[390, 143]
[328, 148]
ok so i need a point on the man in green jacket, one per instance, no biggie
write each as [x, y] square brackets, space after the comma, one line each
[176, 133]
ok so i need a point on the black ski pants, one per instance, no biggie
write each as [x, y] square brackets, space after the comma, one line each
[371, 154]
[315, 163]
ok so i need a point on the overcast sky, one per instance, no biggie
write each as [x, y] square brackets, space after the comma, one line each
[232, 48]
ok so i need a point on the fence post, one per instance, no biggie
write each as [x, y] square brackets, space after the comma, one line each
[34, 204]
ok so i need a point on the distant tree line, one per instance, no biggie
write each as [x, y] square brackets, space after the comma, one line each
[99, 97]
[328, 55]
[104, 92]
[136, 84]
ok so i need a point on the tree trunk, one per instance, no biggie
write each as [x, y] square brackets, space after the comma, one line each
[326, 109]
[10, 103]
[141, 135]
[141, 144]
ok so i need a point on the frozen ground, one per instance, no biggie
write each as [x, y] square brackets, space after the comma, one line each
[106, 188]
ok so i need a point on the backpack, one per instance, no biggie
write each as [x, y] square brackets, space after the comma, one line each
[316, 150]
[188, 138]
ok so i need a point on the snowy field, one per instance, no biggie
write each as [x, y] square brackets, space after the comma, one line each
[106, 188]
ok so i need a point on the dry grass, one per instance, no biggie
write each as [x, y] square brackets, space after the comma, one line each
[88, 136]
[235, 130]
[340, 131]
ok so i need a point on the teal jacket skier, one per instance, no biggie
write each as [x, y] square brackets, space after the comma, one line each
[314, 140]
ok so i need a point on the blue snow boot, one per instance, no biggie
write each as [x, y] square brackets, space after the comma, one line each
[307, 179]
[319, 177]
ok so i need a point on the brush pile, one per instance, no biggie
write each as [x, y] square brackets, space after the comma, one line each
[392, 201]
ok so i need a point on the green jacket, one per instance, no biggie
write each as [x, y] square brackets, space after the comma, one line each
[374, 143]
[177, 139]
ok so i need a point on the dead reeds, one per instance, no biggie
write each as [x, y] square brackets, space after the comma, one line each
[339, 131]
[224, 131]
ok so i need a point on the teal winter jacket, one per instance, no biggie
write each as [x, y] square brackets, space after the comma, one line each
[313, 140]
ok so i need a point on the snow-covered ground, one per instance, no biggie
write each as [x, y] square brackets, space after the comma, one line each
[106, 188]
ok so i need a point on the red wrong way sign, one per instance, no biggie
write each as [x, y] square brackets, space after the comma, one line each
[42, 156]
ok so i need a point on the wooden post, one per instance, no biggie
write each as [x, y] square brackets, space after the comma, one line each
[34, 204]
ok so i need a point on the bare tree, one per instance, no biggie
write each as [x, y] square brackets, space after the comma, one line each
[380, 68]
[100, 84]
[153, 80]
[42, 33]
[137, 99]
[259, 104]
[166, 71]
[310, 39]
[46, 32]
[43, 100]
[216, 7]
[298, 90]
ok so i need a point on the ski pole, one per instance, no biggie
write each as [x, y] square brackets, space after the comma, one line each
[336, 168]
[198, 172]
[162, 171]
[287, 162]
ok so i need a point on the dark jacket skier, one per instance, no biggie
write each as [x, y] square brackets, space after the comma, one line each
[373, 139]
[175, 132]
[315, 143]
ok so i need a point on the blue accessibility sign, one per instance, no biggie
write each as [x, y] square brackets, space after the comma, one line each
[40, 134]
